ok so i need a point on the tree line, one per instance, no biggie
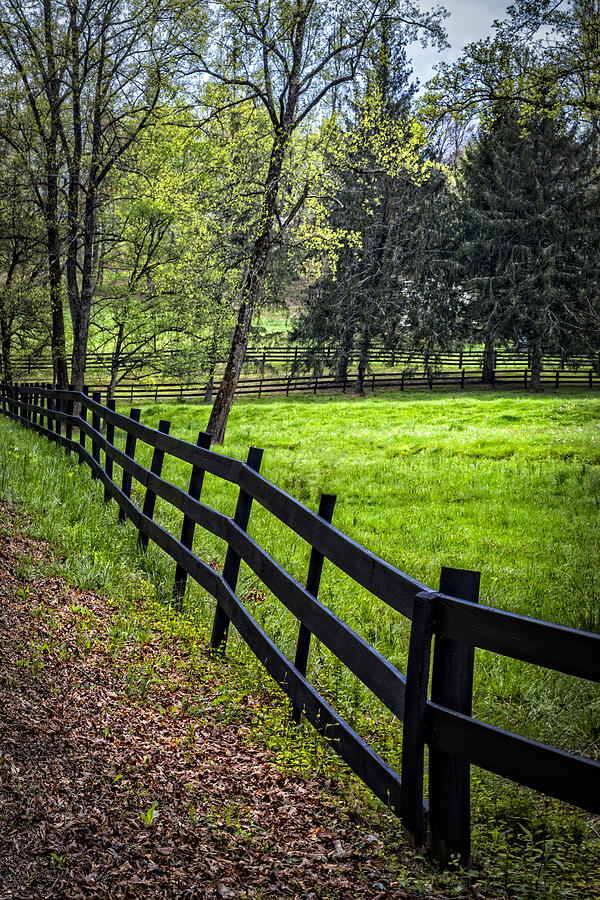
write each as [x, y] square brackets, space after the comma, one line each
[168, 168]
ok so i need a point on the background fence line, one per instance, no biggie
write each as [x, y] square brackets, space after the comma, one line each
[441, 721]
[294, 359]
[195, 391]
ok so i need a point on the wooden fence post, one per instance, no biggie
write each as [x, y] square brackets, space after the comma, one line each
[68, 423]
[231, 567]
[130, 443]
[189, 526]
[50, 409]
[58, 409]
[525, 378]
[313, 580]
[150, 497]
[412, 809]
[110, 439]
[83, 417]
[97, 398]
[452, 687]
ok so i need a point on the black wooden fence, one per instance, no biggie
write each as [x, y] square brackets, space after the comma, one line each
[295, 359]
[140, 391]
[439, 717]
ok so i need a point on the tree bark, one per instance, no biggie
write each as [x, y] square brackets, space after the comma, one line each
[535, 383]
[250, 291]
[363, 361]
[115, 363]
[487, 372]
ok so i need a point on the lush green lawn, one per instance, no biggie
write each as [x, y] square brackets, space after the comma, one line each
[507, 484]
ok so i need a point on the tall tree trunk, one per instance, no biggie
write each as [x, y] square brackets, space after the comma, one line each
[487, 371]
[81, 331]
[250, 292]
[535, 383]
[363, 361]
[115, 363]
[59, 350]
[6, 319]
[343, 360]
[5, 340]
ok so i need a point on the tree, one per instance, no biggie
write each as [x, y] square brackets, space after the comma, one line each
[288, 57]
[90, 78]
[544, 58]
[383, 180]
[530, 199]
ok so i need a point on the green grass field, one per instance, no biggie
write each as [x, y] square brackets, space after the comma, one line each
[508, 484]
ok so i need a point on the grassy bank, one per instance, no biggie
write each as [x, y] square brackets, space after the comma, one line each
[508, 485]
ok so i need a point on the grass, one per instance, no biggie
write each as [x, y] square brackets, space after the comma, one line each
[506, 484]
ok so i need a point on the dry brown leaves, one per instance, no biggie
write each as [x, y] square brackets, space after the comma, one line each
[106, 795]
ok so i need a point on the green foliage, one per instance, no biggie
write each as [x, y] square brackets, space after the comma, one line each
[453, 477]
[528, 195]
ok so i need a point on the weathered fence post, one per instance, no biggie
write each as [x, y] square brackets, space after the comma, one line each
[83, 417]
[189, 526]
[58, 409]
[110, 439]
[50, 413]
[313, 580]
[412, 809]
[231, 568]
[130, 442]
[150, 497]
[97, 398]
[68, 423]
[452, 687]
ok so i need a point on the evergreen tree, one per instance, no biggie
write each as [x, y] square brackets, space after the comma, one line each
[363, 299]
[530, 252]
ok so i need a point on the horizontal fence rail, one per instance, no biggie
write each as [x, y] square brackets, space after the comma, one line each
[293, 359]
[432, 699]
[141, 391]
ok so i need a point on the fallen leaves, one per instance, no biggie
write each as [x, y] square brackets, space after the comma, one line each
[109, 787]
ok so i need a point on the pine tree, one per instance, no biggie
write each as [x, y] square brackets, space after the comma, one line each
[360, 301]
[529, 247]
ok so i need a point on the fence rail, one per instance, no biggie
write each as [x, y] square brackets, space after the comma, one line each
[294, 358]
[262, 386]
[439, 717]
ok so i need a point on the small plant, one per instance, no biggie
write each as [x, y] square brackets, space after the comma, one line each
[151, 815]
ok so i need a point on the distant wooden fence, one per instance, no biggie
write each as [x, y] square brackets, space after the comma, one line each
[294, 359]
[140, 391]
[439, 717]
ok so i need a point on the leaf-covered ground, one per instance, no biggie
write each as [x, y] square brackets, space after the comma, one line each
[118, 779]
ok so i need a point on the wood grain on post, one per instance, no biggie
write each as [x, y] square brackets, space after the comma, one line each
[97, 398]
[413, 733]
[130, 443]
[110, 439]
[156, 465]
[189, 526]
[452, 687]
[313, 581]
[231, 567]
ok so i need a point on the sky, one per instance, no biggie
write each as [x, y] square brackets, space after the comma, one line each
[469, 20]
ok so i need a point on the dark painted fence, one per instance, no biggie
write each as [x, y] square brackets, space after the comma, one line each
[438, 717]
[309, 384]
[294, 359]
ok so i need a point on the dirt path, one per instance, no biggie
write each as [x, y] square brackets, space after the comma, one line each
[117, 779]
